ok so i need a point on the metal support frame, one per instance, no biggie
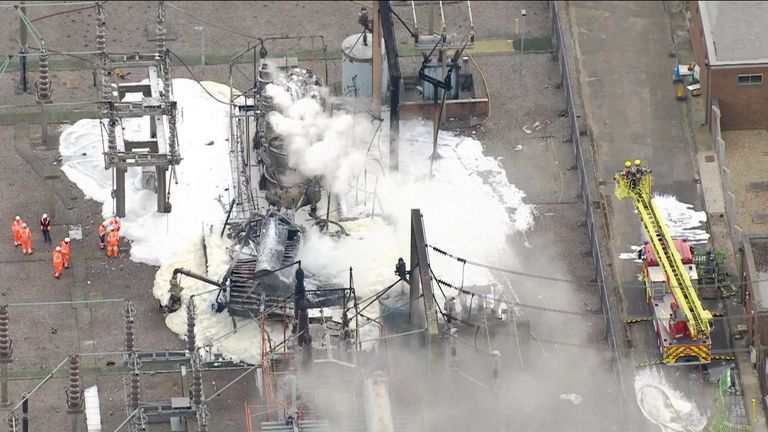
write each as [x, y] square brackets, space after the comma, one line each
[159, 152]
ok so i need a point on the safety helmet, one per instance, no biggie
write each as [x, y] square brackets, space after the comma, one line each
[110, 228]
[45, 215]
[104, 224]
[117, 218]
[58, 248]
[637, 162]
[23, 225]
[66, 239]
[18, 218]
[627, 164]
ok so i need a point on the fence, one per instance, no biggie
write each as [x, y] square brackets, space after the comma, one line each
[725, 177]
[590, 199]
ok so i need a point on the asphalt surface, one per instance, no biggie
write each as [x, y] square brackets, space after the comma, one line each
[625, 55]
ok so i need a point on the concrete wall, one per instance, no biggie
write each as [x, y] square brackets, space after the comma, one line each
[757, 320]
[742, 106]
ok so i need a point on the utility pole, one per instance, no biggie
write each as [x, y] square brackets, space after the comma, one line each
[376, 51]
[522, 45]
[201, 29]
[23, 50]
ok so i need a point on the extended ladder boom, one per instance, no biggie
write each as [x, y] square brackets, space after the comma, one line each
[638, 187]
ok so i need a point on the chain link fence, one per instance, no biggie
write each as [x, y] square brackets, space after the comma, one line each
[590, 197]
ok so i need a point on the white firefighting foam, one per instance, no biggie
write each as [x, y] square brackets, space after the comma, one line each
[683, 222]
[469, 209]
[664, 406]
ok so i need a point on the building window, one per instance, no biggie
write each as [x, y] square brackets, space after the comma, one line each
[756, 79]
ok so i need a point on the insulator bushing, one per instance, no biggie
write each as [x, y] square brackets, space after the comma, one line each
[13, 422]
[203, 415]
[75, 390]
[197, 382]
[44, 81]
[130, 336]
[191, 316]
[101, 28]
[6, 348]
[135, 390]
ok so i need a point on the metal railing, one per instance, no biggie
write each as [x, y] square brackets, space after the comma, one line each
[590, 201]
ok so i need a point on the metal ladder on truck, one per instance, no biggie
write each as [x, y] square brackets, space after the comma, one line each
[636, 184]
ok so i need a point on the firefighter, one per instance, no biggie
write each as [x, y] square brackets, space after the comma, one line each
[16, 226]
[58, 260]
[113, 241]
[66, 248]
[26, 239]
[639, 170]
[45, 227]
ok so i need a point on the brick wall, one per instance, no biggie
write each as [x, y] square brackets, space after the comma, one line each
[742, 106]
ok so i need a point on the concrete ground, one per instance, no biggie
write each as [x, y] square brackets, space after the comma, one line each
[540, 163]
[625, 54]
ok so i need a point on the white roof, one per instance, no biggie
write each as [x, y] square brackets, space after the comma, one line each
[735, 31]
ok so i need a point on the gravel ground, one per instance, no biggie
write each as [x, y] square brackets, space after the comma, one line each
[746, 157]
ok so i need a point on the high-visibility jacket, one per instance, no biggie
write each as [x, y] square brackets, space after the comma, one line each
[58, 260]
[113, 238]
[102, 230]
[25, 234]
[115, 224]
[65, 249]
[16, 225]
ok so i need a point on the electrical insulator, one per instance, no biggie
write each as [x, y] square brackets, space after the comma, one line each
[43, 85]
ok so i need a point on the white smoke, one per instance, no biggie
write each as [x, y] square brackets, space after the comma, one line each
[320, 143]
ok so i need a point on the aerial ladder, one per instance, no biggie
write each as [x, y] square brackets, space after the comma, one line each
[681, 322]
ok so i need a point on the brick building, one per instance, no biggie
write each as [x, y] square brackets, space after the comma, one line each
[730, 44]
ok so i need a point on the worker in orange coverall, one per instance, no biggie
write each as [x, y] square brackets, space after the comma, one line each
[103, 234]
[26, 239]
[65, 251]
[16, 226]
[58, 262]
[113, 241]
[115, 222]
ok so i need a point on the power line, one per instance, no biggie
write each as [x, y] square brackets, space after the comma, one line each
[558, 279]
[194, 78]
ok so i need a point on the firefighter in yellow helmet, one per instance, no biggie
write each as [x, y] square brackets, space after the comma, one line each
[639, 170]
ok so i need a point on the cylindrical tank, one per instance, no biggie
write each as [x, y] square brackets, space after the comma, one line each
[357, 66]
[394, 307]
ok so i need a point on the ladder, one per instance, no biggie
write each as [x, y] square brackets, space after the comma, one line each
[639, 189]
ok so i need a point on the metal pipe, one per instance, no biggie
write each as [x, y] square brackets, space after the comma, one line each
[127, 419]
[45, 380]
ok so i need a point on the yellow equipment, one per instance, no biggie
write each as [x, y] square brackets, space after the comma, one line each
[682, 324]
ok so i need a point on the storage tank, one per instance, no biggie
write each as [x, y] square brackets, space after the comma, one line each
[394, 308]
[357, 66]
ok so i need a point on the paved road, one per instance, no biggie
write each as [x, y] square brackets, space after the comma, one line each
[625, 60]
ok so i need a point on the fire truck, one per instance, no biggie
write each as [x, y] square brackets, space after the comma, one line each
[682, 324]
